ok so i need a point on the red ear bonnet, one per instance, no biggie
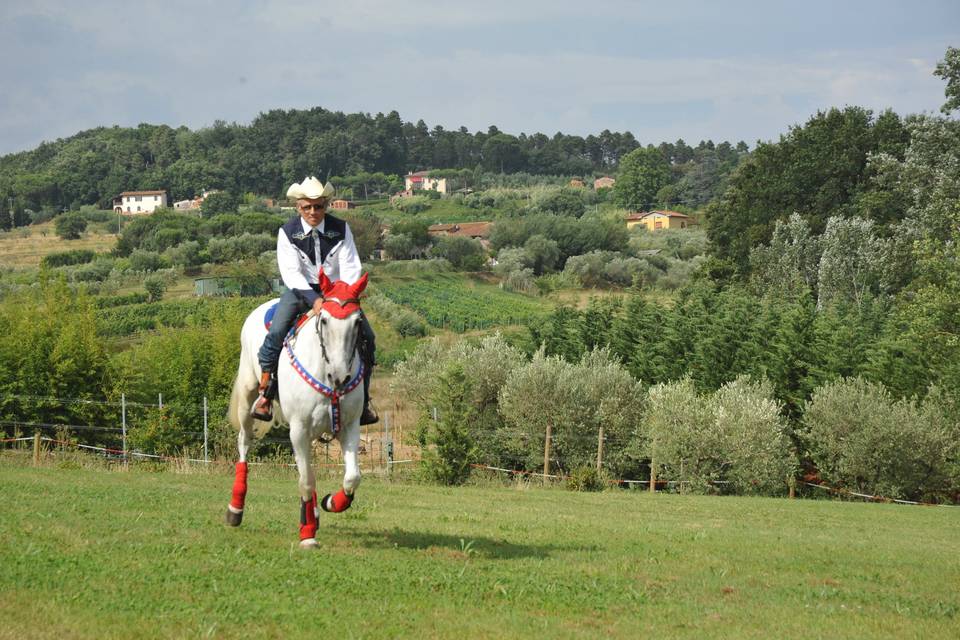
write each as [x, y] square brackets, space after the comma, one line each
[341, 299]
[325, 285]
[357, 287]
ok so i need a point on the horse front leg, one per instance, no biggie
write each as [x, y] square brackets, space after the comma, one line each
[349, 444]
[300, 440]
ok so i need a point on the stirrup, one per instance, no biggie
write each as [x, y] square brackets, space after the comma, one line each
[266, 416]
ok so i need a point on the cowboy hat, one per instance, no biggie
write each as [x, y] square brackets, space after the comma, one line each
[310, 189]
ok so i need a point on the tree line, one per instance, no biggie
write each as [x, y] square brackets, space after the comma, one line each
[368, 152]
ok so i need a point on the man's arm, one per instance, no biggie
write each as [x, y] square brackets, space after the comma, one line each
[288, 259]
[350, 267]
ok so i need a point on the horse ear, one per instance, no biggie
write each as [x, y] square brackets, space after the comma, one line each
[357, 287]
[325, 285]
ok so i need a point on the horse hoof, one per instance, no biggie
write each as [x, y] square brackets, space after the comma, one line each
[233, 518]
[309, 543]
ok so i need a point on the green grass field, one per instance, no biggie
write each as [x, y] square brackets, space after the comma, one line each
[87, 553]
[461, 303]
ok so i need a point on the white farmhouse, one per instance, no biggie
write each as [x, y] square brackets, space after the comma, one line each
[420, 180]
[134, 202]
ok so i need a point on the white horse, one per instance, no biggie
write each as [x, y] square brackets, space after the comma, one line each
[320, 389]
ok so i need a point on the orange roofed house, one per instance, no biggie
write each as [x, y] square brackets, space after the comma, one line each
[476, 230]
[605, 182]
[654, 220]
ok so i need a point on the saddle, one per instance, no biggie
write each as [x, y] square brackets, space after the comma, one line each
[268, 318]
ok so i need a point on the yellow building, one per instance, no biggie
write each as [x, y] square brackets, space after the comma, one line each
[656, 220]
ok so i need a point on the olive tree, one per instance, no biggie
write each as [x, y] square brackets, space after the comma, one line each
[861, 438]
[734, 439]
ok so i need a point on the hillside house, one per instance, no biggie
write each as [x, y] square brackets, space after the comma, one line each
[605, 182]
[656, 220]
[189, 205]
[342, 204]
[475, 230]
[419, 180]
[134, 202]
[576, 183]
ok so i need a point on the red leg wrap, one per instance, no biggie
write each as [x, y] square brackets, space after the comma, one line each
[337, 502]
[308, 518]
[239, 487]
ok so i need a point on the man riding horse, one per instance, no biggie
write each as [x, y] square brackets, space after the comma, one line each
[305, 243]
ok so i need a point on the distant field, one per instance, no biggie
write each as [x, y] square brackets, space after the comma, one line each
[451, 301]
[440, 212]
[90, 553]
[26, 246]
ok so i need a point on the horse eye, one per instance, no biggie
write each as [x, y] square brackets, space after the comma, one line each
[323, 320]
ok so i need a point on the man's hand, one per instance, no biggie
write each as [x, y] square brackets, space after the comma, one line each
[317, 306]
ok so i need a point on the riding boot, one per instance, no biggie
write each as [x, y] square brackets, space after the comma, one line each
[369, 416]
[263, 406]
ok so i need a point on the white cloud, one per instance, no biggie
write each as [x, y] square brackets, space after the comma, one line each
[233, 60]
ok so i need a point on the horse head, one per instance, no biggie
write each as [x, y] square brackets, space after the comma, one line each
[338, 327]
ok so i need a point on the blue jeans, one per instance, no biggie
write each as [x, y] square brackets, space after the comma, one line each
[289, 307]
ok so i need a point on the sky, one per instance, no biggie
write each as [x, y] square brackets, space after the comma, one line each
[734, 70]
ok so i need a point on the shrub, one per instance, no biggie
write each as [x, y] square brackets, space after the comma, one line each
[241, 247]
[510, 259]
[155, 285]
[70, 225]
[465, 254]
[219, 202]
[411, 204]
[64, 258]
[141, 260]
[861, 438]
[736, 437]
[585, 478]
[520, 280]
[574, 400]
[186, 254]
[560, 202]
[403, 320]
[92, 214]
[96, 271]
[407, 324]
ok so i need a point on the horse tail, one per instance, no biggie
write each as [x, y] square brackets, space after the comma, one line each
[236, 398]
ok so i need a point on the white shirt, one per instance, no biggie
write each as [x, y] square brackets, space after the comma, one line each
[297, 269]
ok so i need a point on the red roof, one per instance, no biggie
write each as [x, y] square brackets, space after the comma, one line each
[469, 229]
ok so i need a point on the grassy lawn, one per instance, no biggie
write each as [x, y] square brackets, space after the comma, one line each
[90, 553]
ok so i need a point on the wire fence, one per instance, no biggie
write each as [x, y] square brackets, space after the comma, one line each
[377, 448]
[184, 431]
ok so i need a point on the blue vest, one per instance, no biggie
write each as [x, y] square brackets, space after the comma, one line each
[335, 230]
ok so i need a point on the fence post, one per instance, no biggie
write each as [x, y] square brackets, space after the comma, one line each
[546, 453]
[123, 418]
[36, 448]
[653, 476]
[206, 457]
[792, 483]
[600, 450]
[389, 440]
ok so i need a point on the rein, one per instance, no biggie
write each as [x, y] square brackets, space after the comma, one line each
[334, 394]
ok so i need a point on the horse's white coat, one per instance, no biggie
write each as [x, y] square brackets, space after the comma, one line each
[306, 410]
